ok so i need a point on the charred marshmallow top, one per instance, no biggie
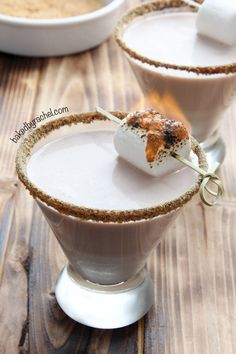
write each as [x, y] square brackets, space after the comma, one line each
[147, 139]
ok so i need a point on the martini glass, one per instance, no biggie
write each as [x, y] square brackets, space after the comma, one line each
[199, 95]
[105, 283]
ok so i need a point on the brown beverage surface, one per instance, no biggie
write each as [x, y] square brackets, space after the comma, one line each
[84, 169]
[172, 38]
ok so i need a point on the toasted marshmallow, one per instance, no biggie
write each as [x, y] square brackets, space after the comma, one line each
[147, 139]
[217, 19]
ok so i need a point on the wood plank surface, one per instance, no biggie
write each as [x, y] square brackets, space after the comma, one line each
[193, 268]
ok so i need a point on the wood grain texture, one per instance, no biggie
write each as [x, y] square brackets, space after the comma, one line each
[193, 268]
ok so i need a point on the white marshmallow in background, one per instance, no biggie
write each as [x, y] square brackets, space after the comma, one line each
[130, 143]
[217, 19]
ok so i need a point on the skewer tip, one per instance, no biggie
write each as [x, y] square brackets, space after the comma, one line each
[108, 115]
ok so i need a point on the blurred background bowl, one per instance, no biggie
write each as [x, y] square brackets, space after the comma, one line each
[61, 36]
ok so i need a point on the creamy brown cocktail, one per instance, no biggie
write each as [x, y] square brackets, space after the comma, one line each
[107, 215]
[184, 75]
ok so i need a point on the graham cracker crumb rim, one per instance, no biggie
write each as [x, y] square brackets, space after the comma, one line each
[90, 214]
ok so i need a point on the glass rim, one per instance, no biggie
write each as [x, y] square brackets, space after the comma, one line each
[93, 214]
[160, 5]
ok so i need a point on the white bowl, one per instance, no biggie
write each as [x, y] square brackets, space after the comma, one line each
[62, 36]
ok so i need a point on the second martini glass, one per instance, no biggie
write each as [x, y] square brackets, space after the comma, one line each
[182, 75]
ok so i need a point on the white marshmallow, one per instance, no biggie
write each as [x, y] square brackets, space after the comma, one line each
[217, 19]
[130, 143]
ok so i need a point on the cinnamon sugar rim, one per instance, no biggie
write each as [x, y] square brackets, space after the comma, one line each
[158, 6]
[84, 213]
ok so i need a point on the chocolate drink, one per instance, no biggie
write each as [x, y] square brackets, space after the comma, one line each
[82, 168]
[106, 214]
[170, 37]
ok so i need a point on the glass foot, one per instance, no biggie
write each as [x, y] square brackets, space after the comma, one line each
[104, 306]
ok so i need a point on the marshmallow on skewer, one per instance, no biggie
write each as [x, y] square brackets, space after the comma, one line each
[147, 140]
[217, 19]
[161, 139]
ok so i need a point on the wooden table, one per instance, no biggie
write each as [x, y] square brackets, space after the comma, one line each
[193, 268]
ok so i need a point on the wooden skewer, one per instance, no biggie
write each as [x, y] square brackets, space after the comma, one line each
[207, 176]
[192, 3]
[108, 115]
